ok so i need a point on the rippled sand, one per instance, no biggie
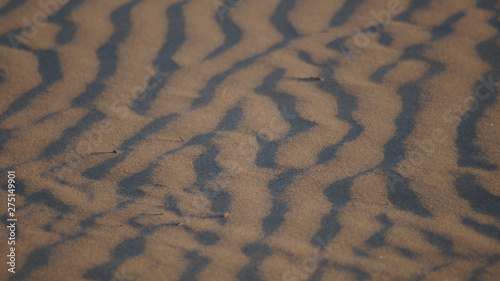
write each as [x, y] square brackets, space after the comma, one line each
[251, 140]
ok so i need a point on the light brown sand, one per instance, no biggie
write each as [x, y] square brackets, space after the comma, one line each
[83, 230]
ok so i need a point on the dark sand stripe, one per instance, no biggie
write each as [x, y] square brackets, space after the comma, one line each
[347, 104]
[50, 71]
[164, 62]
[11, 6]
[230, 29]
[345, 12]
[107, 55]
[469, 153]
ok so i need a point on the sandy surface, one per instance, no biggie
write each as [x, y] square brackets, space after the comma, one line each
[250, 140]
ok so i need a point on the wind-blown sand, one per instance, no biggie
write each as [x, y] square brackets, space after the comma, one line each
[251, 140]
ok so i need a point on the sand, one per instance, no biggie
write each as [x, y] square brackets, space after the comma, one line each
[250, 140]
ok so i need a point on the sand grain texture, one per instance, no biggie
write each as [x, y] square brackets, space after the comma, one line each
[251, 140]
